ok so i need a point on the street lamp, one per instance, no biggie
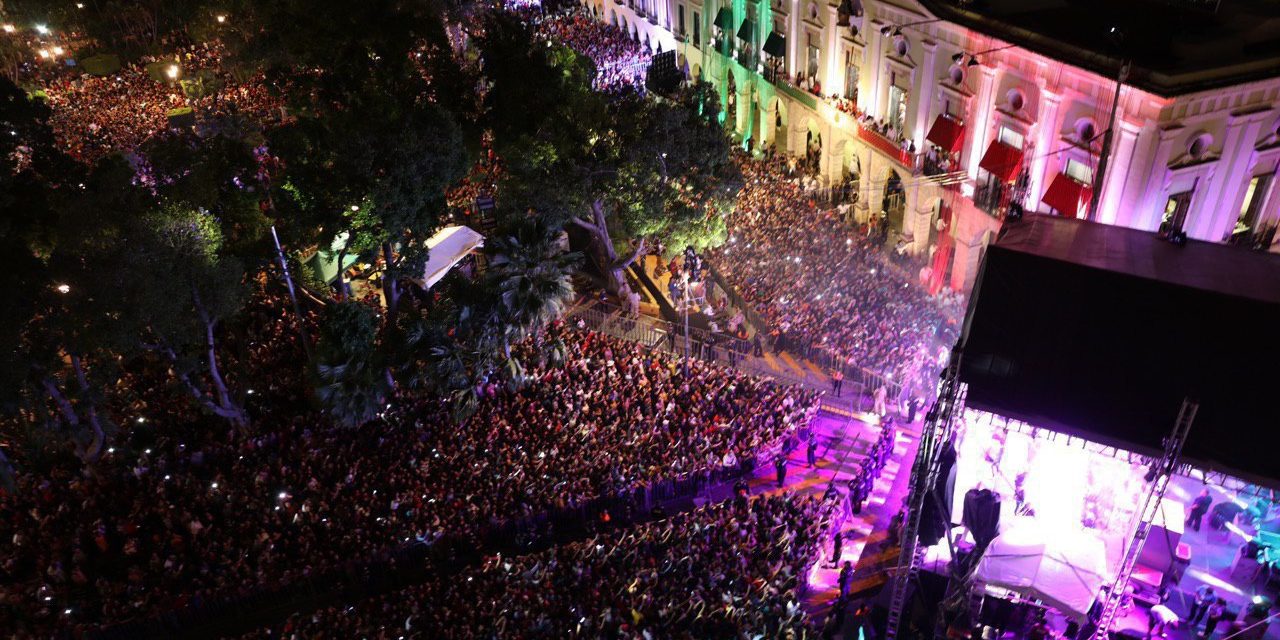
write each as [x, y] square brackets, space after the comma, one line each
[685, 278]
[973, 57]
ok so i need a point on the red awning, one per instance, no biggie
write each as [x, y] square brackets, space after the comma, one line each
[1067, 196]
[947, 133]
[1002, 161]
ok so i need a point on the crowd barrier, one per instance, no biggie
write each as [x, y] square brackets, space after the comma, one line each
[704, 345]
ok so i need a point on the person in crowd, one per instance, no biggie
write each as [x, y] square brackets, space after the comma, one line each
[846, 579]
[780, 467]
[837, 381]
[1216, 613]
[811, 450]
[1159, 619]
[1199, 507]
[1204, 597]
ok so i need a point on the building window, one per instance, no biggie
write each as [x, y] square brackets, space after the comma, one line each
[1080, 171]
[680, 19]
[850, 77]
[1251, 209]
[1011, 137]
[1176, 209]
[897, 111]
[811, 69]
[697, 29]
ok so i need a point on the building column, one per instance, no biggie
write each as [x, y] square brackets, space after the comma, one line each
[964, 265]
[795, 29]
[1151, 207]
[980, 119]
[869, 95]
[834, 82]
[1047, 130]
[925, 93]
[1221, 207]
[1119, 170]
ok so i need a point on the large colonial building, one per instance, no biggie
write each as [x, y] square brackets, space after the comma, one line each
[947, 114]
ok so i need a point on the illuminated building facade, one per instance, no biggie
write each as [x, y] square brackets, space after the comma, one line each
[945, 117]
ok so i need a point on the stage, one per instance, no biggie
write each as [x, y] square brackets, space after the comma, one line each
[1067, 508]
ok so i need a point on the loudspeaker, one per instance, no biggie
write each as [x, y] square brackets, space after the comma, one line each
[663, 76]
[981, 515]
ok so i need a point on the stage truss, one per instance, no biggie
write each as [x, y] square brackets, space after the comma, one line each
[938, 430]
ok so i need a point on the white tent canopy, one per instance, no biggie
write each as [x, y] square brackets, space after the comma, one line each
[1063, 569]
[445, 249]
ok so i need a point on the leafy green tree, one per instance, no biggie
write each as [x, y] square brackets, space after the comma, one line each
[620, 169]
[217, 175]
[351, 379]
[530, 276]
[82, 326]
[466, 339]
[376, 179]
[189, 288]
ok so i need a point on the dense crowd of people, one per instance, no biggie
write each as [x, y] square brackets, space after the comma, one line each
[730, 570]
[823, 285]
[176, 511]
[93, 116]
[620, 62]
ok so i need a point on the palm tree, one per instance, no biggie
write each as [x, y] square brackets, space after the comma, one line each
[532, 276]
[350, 367]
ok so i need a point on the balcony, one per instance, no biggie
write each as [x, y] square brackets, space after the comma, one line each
[887, 147]
[803, 97]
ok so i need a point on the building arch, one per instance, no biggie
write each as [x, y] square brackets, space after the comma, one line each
[775, 114]
[812, 156]
[893, 202]
[730, 102]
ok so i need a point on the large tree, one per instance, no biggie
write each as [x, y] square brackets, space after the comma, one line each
[374, 180]
[189, 286]
[620, 168]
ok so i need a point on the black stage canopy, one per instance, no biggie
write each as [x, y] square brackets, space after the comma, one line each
[1100, 331]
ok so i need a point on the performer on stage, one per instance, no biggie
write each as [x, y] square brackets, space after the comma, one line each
[1199, 507]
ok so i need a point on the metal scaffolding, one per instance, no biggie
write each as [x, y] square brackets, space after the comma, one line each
[1161, 471]
[924, 473]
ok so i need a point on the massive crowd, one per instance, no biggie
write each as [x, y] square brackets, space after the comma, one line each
[93, 116]
[730, 570]
[183, 511]
[620, 62]
[825, 286]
